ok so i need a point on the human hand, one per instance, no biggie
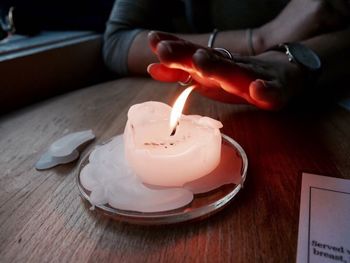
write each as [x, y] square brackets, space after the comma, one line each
[267, 81]
[179, 69]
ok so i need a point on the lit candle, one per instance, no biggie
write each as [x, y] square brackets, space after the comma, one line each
[170, 154]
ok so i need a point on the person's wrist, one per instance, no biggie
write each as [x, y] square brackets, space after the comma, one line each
[273, 56]
[265, 36]
[259, 39]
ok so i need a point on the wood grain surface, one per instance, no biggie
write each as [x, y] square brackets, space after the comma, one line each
[43, 219]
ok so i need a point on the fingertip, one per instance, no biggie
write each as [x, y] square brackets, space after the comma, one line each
[208, 64]
[265, 96]
[257, 89]
[155, 70]
[153, 40]
[149, 68]
[201, 55]
[162, 73]
[151, 33]
[158, 36]
[164, 50]
[255, 86]
[202, 60]
[153, 36]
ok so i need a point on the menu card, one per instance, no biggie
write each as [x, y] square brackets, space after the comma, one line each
[324, 220]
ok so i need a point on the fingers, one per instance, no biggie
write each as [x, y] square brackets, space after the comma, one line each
[267, 94]
[241, 80]
[249, 65]
[176, 54]
[171, 50]
[154, 37]
[211, 65]
[229, 76]
[162, 73]
[217, 93]
[243, 77]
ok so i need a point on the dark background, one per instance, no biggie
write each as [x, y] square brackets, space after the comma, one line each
[30, 17]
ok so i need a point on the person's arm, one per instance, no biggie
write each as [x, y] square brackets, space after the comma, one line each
[125, 48]
[120, 34]
[127, 23]
[334, 51]
[267, 80]
[126, 51]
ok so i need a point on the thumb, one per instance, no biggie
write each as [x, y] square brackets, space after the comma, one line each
[266, 94]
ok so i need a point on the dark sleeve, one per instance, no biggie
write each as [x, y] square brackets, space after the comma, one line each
[127, 19]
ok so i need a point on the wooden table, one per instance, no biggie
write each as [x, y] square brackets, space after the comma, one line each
[43, 219]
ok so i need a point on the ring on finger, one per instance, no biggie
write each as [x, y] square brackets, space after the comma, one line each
[225, 52]
[187, 82]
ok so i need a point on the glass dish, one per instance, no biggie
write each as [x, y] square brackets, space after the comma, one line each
[202, 206]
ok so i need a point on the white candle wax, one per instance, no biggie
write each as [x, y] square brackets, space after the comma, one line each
[164, 160]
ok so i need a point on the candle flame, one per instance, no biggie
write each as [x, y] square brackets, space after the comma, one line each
[178, 107]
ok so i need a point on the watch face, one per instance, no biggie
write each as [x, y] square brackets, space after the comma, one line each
[304, 56]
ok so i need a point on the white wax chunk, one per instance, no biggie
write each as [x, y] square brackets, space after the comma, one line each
[164, 160]
[64, 150]
[67, 144]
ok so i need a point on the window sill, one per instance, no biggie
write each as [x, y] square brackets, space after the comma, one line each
[34, 68]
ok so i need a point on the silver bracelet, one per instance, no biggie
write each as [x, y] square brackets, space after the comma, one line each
[212, 38]
[251, 50]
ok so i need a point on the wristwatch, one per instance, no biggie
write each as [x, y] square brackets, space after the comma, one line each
[300, 55]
